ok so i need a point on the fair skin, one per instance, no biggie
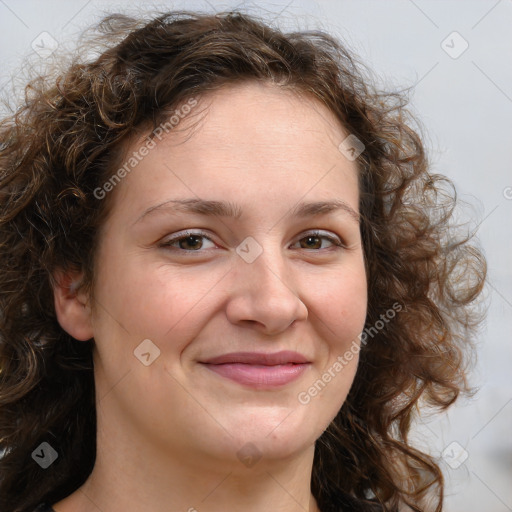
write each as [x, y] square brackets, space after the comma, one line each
[170, 433]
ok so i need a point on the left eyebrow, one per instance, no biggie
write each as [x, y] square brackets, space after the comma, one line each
[228, 209]
[324, 208]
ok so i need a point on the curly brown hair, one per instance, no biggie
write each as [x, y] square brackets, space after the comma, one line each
[62, 143]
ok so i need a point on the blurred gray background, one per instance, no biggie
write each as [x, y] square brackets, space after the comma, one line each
[455, 56]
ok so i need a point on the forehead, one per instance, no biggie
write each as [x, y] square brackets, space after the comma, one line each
[265, 115]
[250, 135]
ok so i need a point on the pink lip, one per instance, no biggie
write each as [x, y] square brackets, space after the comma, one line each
[259, 370]
[283, 357]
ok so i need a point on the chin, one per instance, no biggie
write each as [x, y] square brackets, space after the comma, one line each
[276, 438]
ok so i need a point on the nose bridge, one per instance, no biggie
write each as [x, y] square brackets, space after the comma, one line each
[268, 272]
[264, 290]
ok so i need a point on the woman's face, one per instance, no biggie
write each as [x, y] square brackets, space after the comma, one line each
[180, 282]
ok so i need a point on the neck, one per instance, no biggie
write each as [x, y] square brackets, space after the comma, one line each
[133, 474]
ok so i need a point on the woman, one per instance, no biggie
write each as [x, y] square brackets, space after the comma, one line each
[228, 279]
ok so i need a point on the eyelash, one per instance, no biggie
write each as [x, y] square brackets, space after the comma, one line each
[167, 244]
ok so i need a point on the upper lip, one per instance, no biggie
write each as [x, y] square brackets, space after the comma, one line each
[283, 357]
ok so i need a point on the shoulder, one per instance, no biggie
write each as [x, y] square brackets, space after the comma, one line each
[340, 502]
[43, 507]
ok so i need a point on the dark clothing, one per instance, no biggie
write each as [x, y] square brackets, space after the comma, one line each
[44, 508]
[341, 503]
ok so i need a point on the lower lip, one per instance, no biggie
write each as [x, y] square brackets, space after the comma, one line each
[259, 376]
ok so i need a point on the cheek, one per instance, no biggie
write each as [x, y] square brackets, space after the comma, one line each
[341, 314]
[341, 304]
[143, 300]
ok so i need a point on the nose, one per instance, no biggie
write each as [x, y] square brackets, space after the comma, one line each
[263, 293]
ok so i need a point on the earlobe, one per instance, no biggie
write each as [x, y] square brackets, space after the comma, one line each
[72, 306]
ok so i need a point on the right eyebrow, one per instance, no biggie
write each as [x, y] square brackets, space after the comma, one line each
[199, 206]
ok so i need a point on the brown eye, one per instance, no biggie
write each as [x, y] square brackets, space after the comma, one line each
[314, 241]
[192, 241]
[187, 242]
[311, 242]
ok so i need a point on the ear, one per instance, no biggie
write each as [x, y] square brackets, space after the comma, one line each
[72, 306]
